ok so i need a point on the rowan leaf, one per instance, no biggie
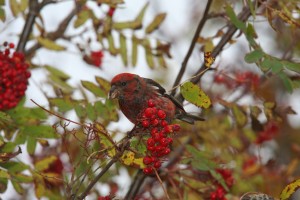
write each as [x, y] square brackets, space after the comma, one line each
[292, 66]
[195, 95]
[4, 174]
[40, 131]
[105, 140]
[49, 44]
[103, 84]
[289, 190]
[254, 56]
[128, 158]
[45, 163]
[149, 55]
[96, 90]
[82, 17]
[134, 54]
[123, 49]
[91, 112]
[2, 14]
[3, 184]
[240, 115]
[14, 7]
[111, 45]
[63, 105]
[234, 19]
[155, 23]
[286, 82]
[31, 145]
[56, 72]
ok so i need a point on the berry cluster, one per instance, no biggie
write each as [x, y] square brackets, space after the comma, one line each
[13, 77]
[220, 192]
[111, 11]
[158, 145]
[247, 79]
[105, 198]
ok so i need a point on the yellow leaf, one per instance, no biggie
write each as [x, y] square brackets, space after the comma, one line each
[49, 44]
[105, 140]
[156, 22]
[289, 190]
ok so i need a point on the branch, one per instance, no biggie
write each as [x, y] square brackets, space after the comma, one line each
[59, 32]
[192, 46]
[34, 9]
[136, 185]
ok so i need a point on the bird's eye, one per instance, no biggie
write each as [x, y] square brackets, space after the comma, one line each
[123, 83]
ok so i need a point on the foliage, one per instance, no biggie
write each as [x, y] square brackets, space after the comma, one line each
[222, 157]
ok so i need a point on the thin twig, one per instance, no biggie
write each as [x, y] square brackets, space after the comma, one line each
[192, 46]
[162, 184]
[135, 185]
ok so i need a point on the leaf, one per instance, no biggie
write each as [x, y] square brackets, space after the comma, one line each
[286, 82]
[14, 167]
[60, 83]
[128, 158]
[4, 157]
[289, 190]
[266, 64]
[233, 18]
[63, 105]
[292, 66]
[4, 119]
[195, 95]
[105, 140]
[219, 178]
[103, 84]
[49, 44]
[2, 14]
[45, 163]
[82, 17]
[134, 54]
[155, 23]
[111, 45]
[14, 7]
[56, 72]
[31, 145]
[17, 186]
[239, 115]
[80, 111]
[22, 178]
[3, 184]
[97, 91]
[200, 160]
[123, 49]
[254, 56]
[149, 56]
[23, 5]
[91, 112]
[40, 131]
[250, 35]
[4, 174]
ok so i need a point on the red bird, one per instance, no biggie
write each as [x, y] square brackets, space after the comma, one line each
[133, 93]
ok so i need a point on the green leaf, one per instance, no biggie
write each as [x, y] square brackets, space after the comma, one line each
[200, 161]
[14, 167]
[105, 140]
[219, 178]
[155, 23]
[80, 111]
[4, 174]
[23, 5]
[5, 118]
[250, 35]
[2, 2]
[266, 64]
[82, 17]
[134, 54]
[91, 113]
[103, 84]
[60, 83]
[286, 82]
[40, 131]
[111, 45]
[276, 66]
[31, 145]
[17, 186]
[292, 66]
[14, 7]
[22, 178]
[149, 55]
[2, 14]
[56, 72]
[96, 90]
[45, 163]
[233, 18]
[63, 105]
[49, 44]
[239, 115]
[254, 56]
[123, 49]
[195, 95]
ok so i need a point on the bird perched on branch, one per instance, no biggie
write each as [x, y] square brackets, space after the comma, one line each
[134, 92]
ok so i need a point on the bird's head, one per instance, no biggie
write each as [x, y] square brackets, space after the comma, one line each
[125, 84]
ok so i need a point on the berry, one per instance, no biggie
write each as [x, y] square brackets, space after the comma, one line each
[176, 127]
[13, 77]
[111, 11]
[161, 114]
[148, 112]
[164, 123]
[157, 164]
[147, 160]
[145, 124]
[151, 142]
[151, 103]
[148, 170]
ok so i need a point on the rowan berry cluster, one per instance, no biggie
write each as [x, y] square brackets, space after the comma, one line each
[14, 76]
[270, 131]
[105, 198]
[220, 192]
[158, 145]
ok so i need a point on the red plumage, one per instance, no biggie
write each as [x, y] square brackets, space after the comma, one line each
[133, 93]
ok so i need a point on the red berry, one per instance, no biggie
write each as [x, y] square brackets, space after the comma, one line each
[147, 160]
[151, 103]
[150, 142]
[154, 122]
[164, 123]
[11, 45]
[157, 164]
[168, 129]
[145, 123]
[164, 142]
[154, 131]
[111, 11]
[176, 127]
[148, 170]
[161, 114]
[148, 112]
[166, 151]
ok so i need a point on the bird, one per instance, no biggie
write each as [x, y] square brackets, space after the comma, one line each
[133, 93]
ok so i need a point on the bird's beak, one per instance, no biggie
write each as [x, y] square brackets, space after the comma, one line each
[113, 93]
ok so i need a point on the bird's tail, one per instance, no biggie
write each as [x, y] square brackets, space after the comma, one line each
[189, 118]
